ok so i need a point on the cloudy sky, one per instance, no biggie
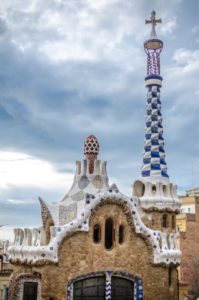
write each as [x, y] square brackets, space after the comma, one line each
[69, 68]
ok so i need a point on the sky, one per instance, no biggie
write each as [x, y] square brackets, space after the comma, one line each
[71, 68]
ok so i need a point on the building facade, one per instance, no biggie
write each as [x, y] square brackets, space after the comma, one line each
[5, 270]
[97, 243]
[188, 225]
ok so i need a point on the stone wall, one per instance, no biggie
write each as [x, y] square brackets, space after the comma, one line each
[79, 255]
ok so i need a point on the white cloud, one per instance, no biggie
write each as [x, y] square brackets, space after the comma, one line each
[19, 201]
[22, 170]
[168, 27]
[186, 57]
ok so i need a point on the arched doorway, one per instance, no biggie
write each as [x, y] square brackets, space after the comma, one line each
[105, 285]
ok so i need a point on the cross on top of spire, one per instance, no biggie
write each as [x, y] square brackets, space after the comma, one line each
[153, 22]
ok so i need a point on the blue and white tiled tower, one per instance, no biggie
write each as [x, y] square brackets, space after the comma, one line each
[154, 188]
[154, 155]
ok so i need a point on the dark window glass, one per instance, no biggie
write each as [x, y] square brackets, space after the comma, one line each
[89, 289]
[109, 234]
[121, 234]
[30, 290]
[164, 221]
[5, 293]
[121, 288]
[173, 222]
[96, 233]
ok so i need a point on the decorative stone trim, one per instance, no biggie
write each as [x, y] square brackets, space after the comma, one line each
[153, 81]
[138, 288]
[156, 194]
[18, 284]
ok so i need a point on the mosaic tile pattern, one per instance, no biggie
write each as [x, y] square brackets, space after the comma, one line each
[165, 250]
[67, 213]
[154, 163]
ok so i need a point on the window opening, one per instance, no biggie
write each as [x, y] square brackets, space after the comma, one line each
[109, 234]
[96, 233]
[173, 221]
[121, 234]
[89, 288]
[121, 288]
[30, 290]
[164, 221]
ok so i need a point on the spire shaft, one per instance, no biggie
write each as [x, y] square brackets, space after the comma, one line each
[154, 164]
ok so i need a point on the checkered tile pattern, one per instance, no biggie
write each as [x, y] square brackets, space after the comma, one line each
[154, 155]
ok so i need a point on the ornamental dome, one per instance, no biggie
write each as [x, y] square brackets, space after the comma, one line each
[91, 145]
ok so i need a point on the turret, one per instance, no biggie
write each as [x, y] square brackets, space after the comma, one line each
[154, 189]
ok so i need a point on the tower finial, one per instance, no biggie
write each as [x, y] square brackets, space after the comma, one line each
[153, 21]
[153, 47]
[91, 151]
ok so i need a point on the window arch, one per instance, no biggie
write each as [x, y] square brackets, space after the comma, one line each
[164, 221]
[121, 288]
[27, 286]
[99, 285]
[109, 234]
[121, 234]
[96, 233]
[90, 288]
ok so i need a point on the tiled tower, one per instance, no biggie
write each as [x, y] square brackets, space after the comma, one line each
[154, 188]
[154, 155]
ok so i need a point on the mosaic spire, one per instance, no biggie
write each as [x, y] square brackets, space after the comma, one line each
[154, 164]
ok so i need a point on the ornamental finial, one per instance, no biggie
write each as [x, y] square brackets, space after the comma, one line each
[91, 151]
[153, 22]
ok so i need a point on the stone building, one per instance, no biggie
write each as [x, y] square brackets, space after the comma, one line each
[5, 270]
[97, 243]
[188, 225]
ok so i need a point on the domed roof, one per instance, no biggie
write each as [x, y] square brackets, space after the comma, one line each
[91, 145]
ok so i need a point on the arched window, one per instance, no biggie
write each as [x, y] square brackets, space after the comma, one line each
[96, 233]
[173, 222]
[90, 288]
[121, 234]
[164, 221]
[121, 288]
[109, 234]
